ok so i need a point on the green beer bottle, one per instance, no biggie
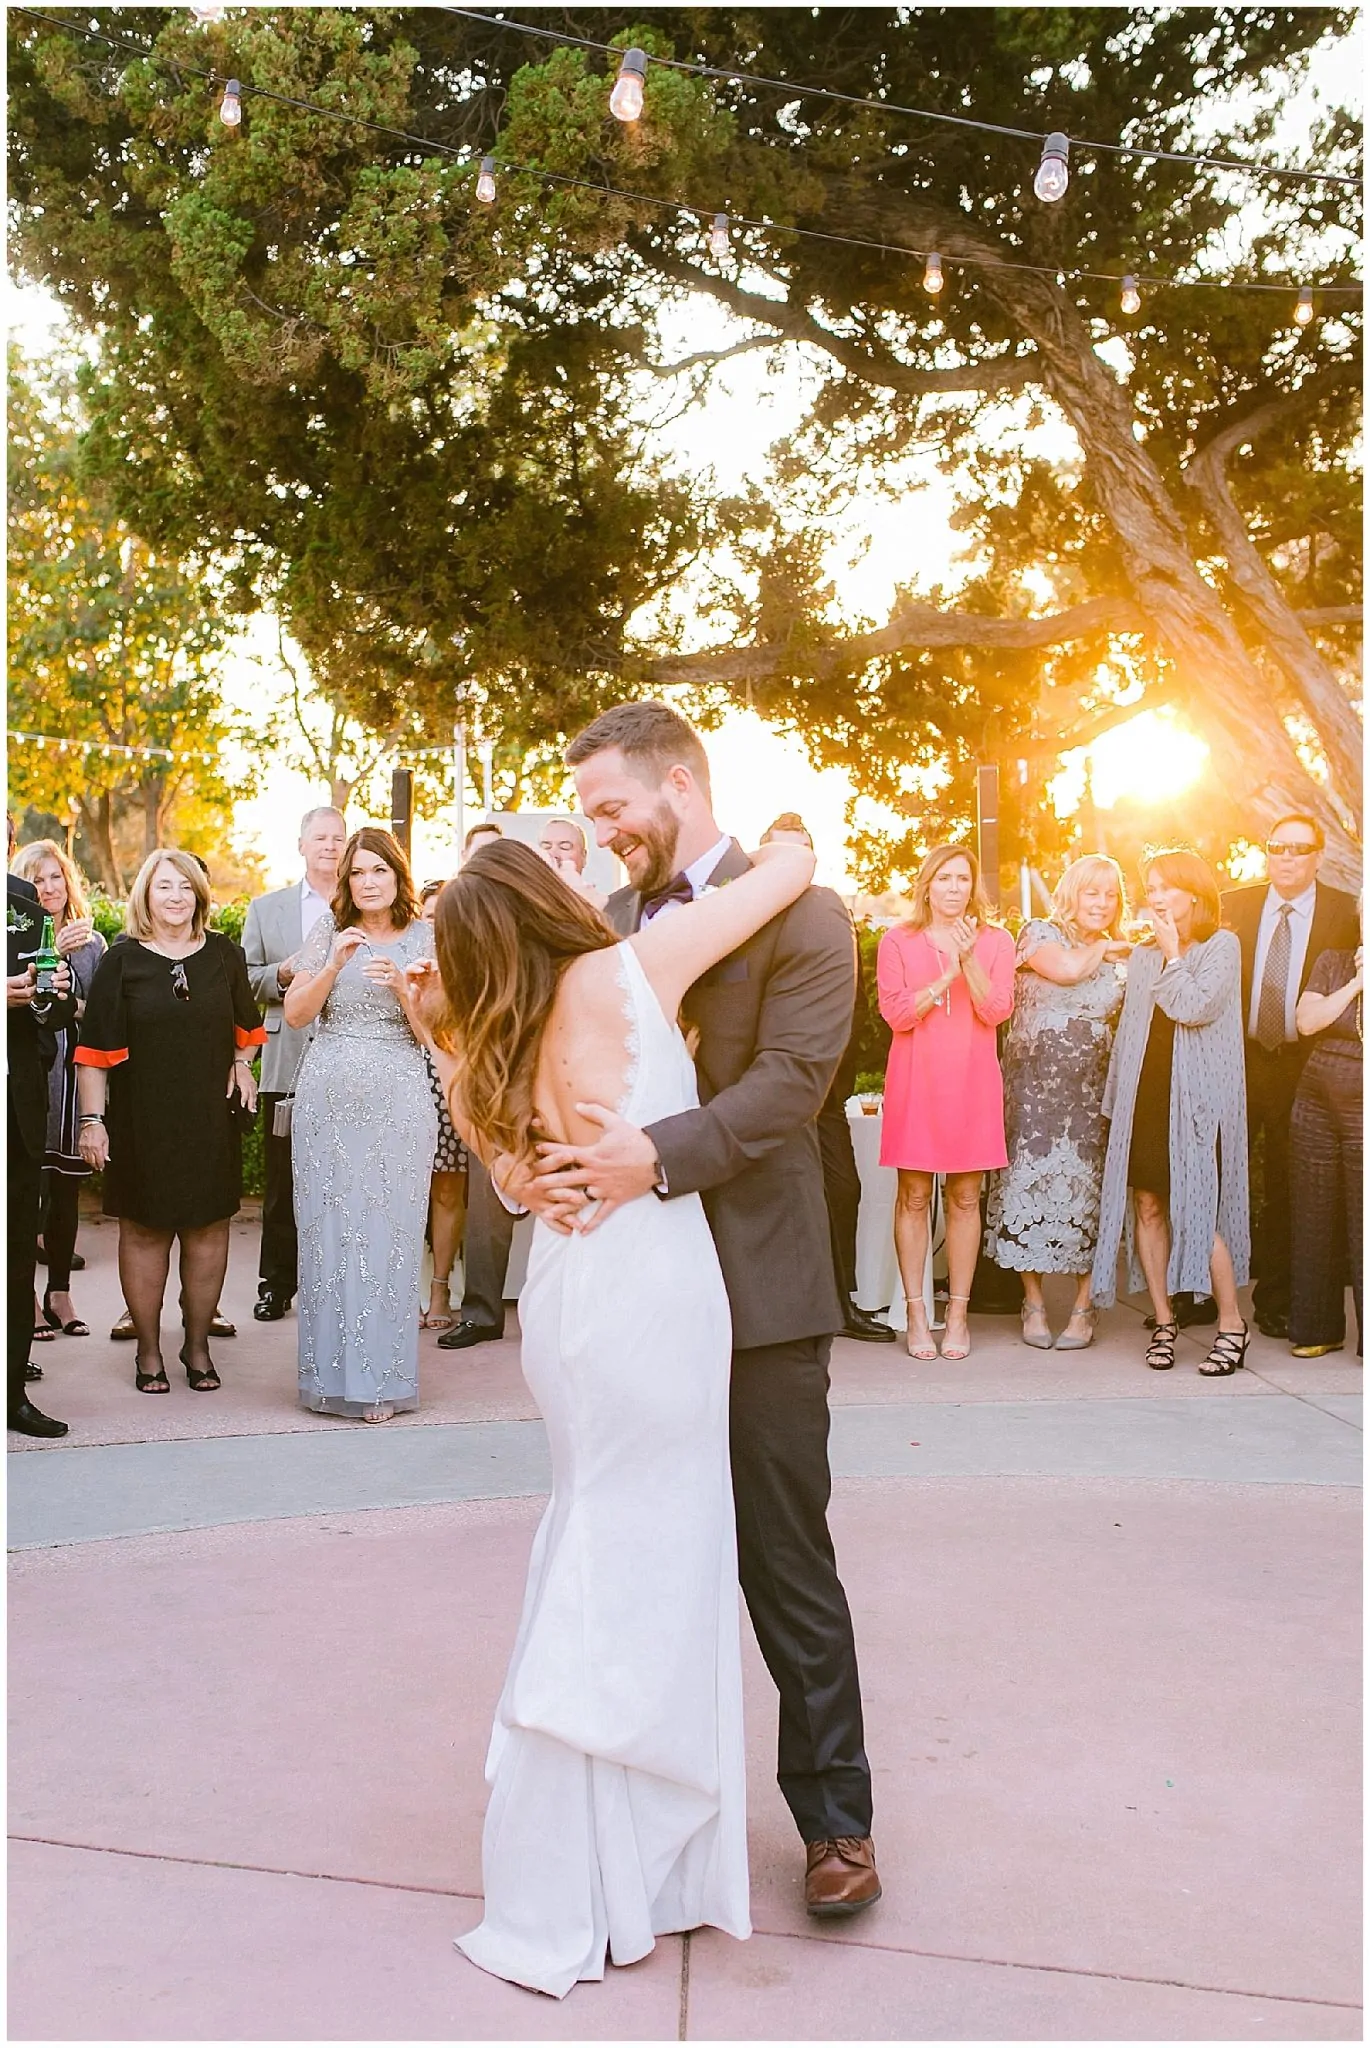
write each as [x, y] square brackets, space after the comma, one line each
[46, 961]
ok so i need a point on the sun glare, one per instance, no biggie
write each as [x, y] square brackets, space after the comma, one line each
[1151, 758]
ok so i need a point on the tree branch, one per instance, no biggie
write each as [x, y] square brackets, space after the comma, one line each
[1332, 615]
[1317, 688]
[709, 358]
[997, 375]
[916, 626]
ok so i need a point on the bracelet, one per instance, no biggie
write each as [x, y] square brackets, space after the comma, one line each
[246, 1065]
[91, 1120]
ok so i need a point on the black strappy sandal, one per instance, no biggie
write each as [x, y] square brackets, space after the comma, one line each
[151, 1382]
[202, 1379]
[1160, 1352]
[1228, 1354]
[75, 1328]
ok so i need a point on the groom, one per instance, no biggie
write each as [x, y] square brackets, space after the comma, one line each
[773, 1021]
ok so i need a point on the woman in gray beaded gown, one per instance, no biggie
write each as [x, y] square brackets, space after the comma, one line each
[1043, 1209]
[363, 1131]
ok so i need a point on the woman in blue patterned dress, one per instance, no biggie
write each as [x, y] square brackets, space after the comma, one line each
[364, 1129]
[1043, 1210]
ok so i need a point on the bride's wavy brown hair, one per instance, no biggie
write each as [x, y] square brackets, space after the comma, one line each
[506, 929]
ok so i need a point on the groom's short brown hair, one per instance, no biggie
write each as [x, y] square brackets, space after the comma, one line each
[650, 736]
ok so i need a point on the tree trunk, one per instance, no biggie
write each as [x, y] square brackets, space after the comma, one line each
[339, 791]
[152, 790]
[97, 818]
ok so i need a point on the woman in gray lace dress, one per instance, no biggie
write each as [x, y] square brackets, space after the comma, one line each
[1043, 1209]
[363, 1133]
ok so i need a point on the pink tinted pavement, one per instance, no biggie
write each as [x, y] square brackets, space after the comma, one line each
[1113, 1723]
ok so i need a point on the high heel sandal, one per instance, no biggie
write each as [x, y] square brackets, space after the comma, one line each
[1160, 1352]
[75, 1328]
[923, 1348]
[151, 1382]
[1223, 1358]
[202, 1379]
[958, 1351]
[1041, 1339]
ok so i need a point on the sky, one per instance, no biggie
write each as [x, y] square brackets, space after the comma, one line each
[752, 401]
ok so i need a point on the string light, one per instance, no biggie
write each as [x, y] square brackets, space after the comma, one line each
[1303, 311]
[230, 106]
[718, 236]
[485, 183]
[1053, 172]
[932, 274]
[1131, 299]
[625, 101]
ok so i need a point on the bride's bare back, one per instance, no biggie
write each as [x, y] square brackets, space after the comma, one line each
[585, 1055]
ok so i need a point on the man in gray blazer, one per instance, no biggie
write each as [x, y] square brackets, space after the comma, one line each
[773, 1021]
[274, 932]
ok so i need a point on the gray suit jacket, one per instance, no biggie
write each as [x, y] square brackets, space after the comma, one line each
[271, 933]
[774, 1019]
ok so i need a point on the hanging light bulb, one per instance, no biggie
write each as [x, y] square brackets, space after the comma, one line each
[625, 101]
[485, 183]
[1053, 172]
[1131, 300]
[1303, 312]
[212, 12]
[718, 236]
[932, 274]
[230, 106]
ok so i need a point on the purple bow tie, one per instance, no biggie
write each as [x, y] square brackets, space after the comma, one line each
[679, 890]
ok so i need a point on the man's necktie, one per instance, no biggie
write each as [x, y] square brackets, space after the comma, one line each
[679, 890]
[1270, 1015]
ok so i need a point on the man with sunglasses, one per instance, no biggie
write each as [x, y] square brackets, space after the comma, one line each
[1283, 925]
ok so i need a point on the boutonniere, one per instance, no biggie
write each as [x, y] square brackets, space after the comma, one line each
[712, 888]
[15, 921]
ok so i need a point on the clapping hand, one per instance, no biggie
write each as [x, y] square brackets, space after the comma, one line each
[346, 944]
[964, 933]
[422, 997]
[75, 935]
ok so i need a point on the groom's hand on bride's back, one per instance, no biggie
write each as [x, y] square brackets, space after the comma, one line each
[556, 1198]
[617, 1168]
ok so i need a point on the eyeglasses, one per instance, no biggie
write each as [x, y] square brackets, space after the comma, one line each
[179, 982]
[1293, 849]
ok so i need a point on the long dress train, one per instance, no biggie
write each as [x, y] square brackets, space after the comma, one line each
[618, 1797]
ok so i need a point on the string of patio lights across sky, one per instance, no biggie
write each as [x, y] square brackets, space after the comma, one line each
[627, 102]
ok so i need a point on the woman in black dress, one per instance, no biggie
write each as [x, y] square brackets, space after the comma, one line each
[165, 1063]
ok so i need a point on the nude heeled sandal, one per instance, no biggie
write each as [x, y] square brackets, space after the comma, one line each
[960, 1351]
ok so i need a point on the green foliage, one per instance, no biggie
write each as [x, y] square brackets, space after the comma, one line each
[413, 423]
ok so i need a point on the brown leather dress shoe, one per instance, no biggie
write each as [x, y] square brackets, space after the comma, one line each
[841, 1877]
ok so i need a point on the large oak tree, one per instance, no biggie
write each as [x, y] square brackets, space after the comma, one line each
[412, 422]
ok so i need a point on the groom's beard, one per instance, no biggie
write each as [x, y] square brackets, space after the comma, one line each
[649, 854]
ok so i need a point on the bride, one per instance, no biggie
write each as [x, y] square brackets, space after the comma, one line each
[617, 1791]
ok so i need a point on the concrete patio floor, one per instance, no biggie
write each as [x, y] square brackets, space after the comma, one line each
[1109, 1630]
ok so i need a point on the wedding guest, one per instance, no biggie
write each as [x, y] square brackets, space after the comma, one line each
[1283, 926]
[447, 1189]
[165, 1059]
[62, 897]
[478, 835]
[841, 1180]
[562, 843]
[364, 1131]
[1176, 1104]
[275, 930]
[945, 978]
[1043, 1209]
[1326, 1155]
[30, 1022]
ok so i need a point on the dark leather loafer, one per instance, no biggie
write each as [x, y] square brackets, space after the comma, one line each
[31, 1421]
[221, 1326]
[466, 1333]
[841, 1877]
[35, 1372]
[866, 1328]
[269, 1308]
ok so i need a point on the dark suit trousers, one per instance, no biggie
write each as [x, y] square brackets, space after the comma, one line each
[25, 1175]
[1272, 1079]
[781, 1484]
[1326, 1178]
[485, 1250]
[842, 1188]
[279, 1265]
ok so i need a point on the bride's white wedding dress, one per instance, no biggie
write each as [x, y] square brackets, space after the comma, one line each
[618, 1795]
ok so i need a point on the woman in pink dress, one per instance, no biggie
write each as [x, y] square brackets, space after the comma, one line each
[946, 982]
